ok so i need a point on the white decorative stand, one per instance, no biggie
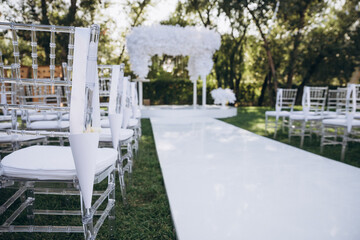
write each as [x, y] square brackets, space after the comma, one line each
[196, 42]
[140, 81]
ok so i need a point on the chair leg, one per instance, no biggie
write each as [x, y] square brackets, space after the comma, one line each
[283, 124]
[121, 175]
[122, 183]
[336, 133]
[322, 139]
[88, 225]
[266, 122]
[303, 125]
[276, 126]
[111, 217]
[135, 148]
[130, 162]
[30, 208]
[290, 130]
[344, 145]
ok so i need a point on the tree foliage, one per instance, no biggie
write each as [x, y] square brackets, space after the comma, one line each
[265, 44]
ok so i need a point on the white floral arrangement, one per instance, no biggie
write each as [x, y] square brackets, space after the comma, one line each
[198, 43]
[221, 96]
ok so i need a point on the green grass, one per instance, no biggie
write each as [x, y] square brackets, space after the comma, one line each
[147, 215]
[253, 119]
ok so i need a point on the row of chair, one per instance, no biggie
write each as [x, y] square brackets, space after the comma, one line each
[72, 132]
[332, 114]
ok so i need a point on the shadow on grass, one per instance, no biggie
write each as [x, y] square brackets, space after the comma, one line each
[253, 119]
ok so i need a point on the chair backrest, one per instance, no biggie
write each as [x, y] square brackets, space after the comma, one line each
[110, 80]
[341, 100]
[125, 102]
[285, 99]
[133, 94]
[27, 88]
[105, 75]
[332, 100]
[357, 88]
[314, 99]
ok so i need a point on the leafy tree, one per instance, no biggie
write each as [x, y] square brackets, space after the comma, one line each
[136, 11]
[330, 52]
[297, 15]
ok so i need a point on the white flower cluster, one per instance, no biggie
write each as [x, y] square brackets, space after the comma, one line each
[221, 96]
[197, 43]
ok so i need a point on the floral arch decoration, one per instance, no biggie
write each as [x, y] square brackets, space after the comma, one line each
[198, 43]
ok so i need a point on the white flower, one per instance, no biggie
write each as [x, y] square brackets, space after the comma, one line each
[197, 43]
[221, 96]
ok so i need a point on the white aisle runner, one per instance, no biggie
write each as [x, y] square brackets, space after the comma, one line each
[226, 183]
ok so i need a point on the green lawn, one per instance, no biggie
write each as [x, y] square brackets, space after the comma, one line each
[147, 215]
[253, 119]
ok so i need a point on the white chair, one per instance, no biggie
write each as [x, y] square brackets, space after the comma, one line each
[308, 121]
[78, 166]
[110, 80]
[285, 101]
[336, 102]
[344, 128]
[9, 120]
[135, 120]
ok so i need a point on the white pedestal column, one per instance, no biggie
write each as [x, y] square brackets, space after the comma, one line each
[140, 95]
[194, 94]
[203, 91]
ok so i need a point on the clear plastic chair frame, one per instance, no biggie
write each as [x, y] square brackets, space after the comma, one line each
[307, 122]
[124, 147]
[336, 131]
[32, 186]
[284, 106]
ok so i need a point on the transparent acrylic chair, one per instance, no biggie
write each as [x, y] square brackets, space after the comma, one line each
[9, 143]
[285, 101]
[58, 170]
[336, 103]
[343, 128]
[110, 81]
[136, 113]
[308, 121]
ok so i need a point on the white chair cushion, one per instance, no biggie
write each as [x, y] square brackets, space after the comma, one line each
[340, 122]
[329, 113]
[50, 162]
[133, 122]
[30, 111]
[5, 118]
[105, 135]
[274, 113]
[310, 117]
[48, 125]
[301, 113]
[42, 117]
[6, 125]
[5, 138]
[105, 123]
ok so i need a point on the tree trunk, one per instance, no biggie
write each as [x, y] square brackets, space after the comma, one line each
[267, 48]
[72, 13]
[307, 77]
[263, 89]
[42, 38]
[294, 52]
[237, 87]
[232, 69]
[293, 56]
